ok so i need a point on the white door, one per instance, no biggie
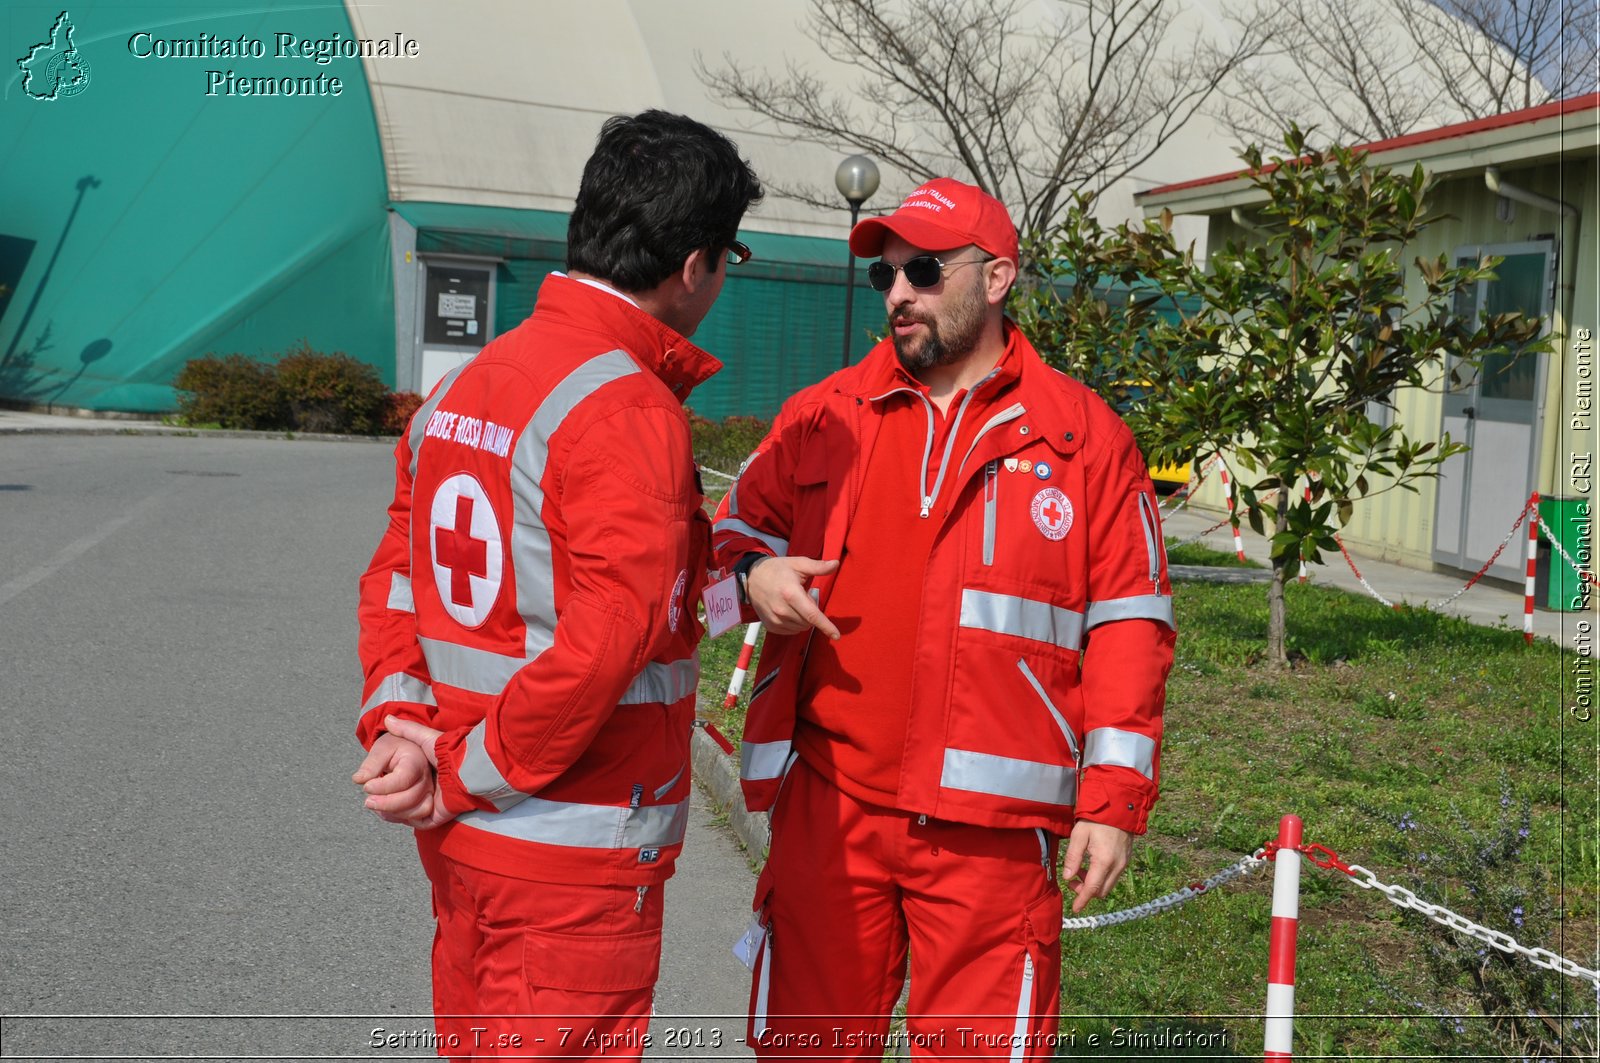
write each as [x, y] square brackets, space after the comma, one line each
[1496, 411]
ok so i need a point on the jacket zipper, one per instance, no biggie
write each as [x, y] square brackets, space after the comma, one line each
[991, 492]
[929, 497]
[1061, 721]
[1148, 521]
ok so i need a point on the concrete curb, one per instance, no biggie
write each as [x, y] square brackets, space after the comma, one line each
[718, 776]
[1219, 574]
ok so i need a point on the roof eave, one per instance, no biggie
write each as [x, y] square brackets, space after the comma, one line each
[1551, 137]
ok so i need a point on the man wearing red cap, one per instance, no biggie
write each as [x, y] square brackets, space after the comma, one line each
[975, 538]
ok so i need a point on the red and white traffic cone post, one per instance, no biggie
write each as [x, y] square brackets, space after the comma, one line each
[736, 684]
[1233, 517]
[1533, 562]
[1280, 950]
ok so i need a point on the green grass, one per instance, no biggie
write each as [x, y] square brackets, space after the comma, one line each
[1195, 554]
[1384, 713]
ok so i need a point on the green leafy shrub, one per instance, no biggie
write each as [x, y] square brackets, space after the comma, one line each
[232, 391]
[331, 392]
[725, 444]
[397, 411]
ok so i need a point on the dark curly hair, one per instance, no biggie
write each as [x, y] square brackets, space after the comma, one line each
[658, 187]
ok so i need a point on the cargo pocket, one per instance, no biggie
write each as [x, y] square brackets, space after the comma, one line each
[1041, 973]
[591, 963]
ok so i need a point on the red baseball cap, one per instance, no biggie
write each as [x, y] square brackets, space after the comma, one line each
[940, 215]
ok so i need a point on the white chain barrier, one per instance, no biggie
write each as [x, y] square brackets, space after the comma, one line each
[1360, 876]
[1168, 902]
[718, 473]
[1401, 897]
[1555, 544]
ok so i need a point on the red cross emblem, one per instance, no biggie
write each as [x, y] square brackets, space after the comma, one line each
[466, 546]
[1052, 514]
[459, 552]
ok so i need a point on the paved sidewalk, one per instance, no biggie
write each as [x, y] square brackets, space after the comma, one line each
[1487, 604]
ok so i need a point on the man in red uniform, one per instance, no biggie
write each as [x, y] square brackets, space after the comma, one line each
[528, 624]
[957, 555]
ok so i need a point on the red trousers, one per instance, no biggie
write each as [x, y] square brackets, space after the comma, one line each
[849, 886]
[540, 969]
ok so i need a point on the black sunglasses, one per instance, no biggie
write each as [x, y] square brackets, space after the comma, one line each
[924, 271]
[738, 253]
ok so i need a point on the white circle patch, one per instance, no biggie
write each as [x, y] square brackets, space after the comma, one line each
[464, 541]
[1052, 514]
[675, 603]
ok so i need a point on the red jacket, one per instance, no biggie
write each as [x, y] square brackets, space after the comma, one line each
[1046, 633]
[534, 594]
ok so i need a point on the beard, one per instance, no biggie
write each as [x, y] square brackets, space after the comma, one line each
[946, 339]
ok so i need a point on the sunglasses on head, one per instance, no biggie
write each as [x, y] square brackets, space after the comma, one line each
[738, 253]
[924, 271]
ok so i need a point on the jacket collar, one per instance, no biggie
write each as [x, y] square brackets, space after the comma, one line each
[657, 348]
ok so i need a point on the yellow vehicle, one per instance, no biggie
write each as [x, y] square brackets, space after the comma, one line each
[1167, 478]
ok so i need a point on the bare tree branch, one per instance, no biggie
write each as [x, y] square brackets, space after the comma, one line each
[1030, 101]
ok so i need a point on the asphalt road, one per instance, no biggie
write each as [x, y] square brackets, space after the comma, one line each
[178, 684]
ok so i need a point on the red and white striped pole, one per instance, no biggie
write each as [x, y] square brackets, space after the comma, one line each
[736, 684]
[1303, 574]
[1233, 519]
[1533, 562]
[1280, 950]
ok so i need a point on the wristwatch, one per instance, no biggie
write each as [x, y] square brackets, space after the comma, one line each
[741, 572]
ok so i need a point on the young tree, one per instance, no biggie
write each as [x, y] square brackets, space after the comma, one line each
[1031, 102]
[1276, 351]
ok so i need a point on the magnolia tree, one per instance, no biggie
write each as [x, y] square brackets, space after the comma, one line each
[1277, 351]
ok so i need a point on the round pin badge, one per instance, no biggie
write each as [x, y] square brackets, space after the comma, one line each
[1024, 465]
[1042, 470]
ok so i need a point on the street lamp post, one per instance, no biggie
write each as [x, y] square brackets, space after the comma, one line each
[856, 178]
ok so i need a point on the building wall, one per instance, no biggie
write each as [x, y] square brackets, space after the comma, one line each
[1399, 525]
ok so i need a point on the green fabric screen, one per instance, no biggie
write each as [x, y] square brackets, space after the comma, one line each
[168, 223]
[778, 326]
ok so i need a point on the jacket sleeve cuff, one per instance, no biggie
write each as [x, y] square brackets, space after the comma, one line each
[370, 726]
[1117, 797]
[449, 748]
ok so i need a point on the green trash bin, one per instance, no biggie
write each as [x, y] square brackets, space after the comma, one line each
[1571, 521]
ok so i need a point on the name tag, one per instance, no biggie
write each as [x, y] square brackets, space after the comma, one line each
[748, 947]
[722, 605]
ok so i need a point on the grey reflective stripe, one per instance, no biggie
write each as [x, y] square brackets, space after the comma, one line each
[759, 761]
[779, 547]
[1126, 749]
[664, 683]
[1024, 617]
[1061, 721]
[479, 671]
[419, 420]
[586, 826]
[400, 599]
[479, 775]
[400, 687]
[530, 539]
[1139, 607]
[1025, 780]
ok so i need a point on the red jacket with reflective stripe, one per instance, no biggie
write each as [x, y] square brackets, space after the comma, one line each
[1046, 634]
[533, 596]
